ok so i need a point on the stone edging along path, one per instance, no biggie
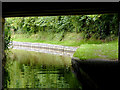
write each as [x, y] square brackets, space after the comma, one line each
[45, 48]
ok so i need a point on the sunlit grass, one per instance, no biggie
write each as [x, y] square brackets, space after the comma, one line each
[70, 39]
[98, 51]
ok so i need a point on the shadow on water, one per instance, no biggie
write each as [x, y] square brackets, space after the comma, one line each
[26, 69]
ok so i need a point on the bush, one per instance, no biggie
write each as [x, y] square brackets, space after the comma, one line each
[100, 25]
[7, 37]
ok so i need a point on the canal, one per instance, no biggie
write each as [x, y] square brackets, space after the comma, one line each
[30, 69]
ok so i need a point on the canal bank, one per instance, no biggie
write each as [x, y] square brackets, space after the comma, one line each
[45, 48]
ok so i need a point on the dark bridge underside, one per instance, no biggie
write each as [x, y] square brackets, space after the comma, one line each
[104, 73]
[20, 9]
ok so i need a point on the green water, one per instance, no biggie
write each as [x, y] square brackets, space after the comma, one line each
[26, 69]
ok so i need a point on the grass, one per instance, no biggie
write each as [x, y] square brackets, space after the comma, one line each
[98, 51]
[87, 49]
[64, 43]
[70, 39]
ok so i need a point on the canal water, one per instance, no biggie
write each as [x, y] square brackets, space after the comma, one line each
[28, 69]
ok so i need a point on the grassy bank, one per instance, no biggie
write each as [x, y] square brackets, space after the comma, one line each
[107, 51]
[66, 39]
[88, 49]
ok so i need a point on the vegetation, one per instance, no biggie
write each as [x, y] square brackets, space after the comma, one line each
[98, 26]
[70, 39]
[95, 34]
[107, 51]
[74, 30]
[7, 38]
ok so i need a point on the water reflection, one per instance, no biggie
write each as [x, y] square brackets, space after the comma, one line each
[38, 70]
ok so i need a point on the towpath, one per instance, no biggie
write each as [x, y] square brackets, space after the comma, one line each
[45, 48]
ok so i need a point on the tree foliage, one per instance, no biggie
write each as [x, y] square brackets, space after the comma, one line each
[7, 36]
[100, 25]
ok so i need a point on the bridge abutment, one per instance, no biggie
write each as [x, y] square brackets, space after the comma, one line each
[2, 54]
